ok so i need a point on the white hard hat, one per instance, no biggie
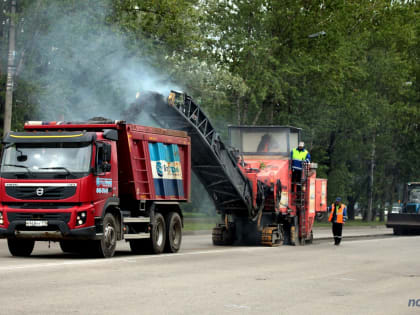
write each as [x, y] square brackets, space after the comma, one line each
[301, 144]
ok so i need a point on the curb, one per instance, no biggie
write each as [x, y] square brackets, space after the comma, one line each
[322, 238]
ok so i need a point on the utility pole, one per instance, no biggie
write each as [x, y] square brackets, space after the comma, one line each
[10, 72]
[372, 167]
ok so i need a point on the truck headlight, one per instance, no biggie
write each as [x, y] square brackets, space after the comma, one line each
[1, 218]
[81, 218]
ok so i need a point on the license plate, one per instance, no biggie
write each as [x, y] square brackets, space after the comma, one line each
[36, 223]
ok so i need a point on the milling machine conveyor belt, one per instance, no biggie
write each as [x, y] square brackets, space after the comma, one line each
[213, 162]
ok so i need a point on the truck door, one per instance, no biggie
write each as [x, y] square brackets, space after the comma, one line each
[106, 170]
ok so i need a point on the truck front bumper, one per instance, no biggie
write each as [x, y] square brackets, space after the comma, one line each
[57, 230]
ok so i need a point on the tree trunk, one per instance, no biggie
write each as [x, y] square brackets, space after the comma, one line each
[271, 118]
[350, 207]
[382, 210]
[245, 114]
[10, 72]
[372, 167]
[238, 110]
[257, 116]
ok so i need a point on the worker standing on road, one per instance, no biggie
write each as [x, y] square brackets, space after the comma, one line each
[338, 216]
[298, 156]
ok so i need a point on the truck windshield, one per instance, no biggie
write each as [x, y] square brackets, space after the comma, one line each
[414, 195]
[274, 140]
[67, 158]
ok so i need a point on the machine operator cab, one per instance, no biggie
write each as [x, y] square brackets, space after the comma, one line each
[268, 141]
[411, 198]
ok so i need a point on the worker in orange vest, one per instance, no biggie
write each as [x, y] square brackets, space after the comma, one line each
[338, 216]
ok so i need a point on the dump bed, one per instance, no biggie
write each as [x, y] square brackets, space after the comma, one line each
[153, 163]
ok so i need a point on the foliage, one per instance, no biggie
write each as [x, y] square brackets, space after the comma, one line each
[347, 72]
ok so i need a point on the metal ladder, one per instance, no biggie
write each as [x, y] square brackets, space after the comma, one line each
[141, 168]
[301, 204]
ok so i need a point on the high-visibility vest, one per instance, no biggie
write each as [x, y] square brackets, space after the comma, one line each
[299, 155]
[339, 213]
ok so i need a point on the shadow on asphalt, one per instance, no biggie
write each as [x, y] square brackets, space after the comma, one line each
[128, 253]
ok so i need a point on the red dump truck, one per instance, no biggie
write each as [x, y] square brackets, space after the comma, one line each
[90, 184]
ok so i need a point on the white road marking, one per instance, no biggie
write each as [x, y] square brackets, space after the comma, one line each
[162, 256]
[235, 306]
[131, 259]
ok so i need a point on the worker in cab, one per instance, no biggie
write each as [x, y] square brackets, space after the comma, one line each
[299, 155]
[265, 143]
[338, 216]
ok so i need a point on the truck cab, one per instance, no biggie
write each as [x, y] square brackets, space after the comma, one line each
[269, 141]
[412, 198]
[71, 170]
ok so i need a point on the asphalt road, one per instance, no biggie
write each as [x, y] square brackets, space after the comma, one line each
[371, 276]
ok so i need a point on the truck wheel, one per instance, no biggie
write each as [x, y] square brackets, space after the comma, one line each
[158, 234]
[22, 248]
[105, 248]
[173, 232]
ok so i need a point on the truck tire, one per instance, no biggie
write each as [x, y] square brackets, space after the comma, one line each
[20, 248]
[158, 234]
[105, 248]
[173, 232]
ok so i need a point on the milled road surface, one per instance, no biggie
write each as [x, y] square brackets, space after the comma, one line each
[369, 276]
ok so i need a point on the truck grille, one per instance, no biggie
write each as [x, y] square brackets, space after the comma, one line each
[23, 216]
[40, 205]
[41, 192]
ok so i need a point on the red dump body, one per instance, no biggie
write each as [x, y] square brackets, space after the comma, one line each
[154, 163]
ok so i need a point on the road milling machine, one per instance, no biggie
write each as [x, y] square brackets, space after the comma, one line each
[249, 180]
